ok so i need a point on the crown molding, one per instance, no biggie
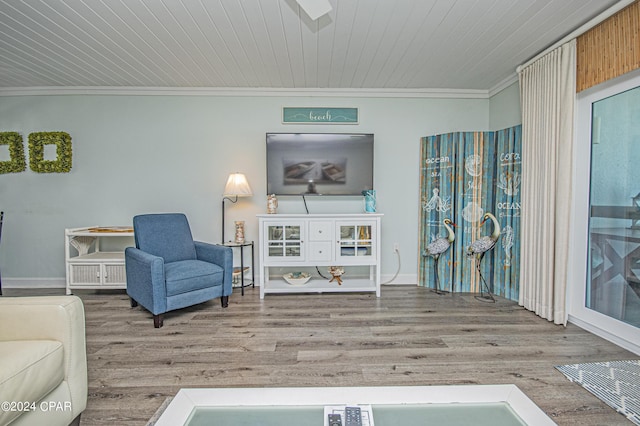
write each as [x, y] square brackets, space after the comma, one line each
[249, 92]
[503, 84]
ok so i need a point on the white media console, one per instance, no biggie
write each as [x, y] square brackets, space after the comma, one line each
[319, 240]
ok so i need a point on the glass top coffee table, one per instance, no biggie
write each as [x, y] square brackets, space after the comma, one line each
[491, 405]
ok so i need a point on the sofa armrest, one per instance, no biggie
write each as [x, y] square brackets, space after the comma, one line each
[59, 318]
[221, 256]
[145, 279]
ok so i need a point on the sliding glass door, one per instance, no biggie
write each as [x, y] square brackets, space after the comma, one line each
[613, 278]
[605, 278]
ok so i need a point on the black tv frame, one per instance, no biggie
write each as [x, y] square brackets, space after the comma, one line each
[330, 164]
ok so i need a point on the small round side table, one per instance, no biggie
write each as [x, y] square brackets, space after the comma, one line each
[242, 269]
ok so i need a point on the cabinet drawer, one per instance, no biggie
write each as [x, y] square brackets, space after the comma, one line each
[85, 274]
[320, 231]
[320, 250]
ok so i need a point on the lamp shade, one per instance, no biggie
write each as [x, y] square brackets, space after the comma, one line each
[237, 186]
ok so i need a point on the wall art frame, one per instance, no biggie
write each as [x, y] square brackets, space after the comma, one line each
[63, 161]
[319, 115]
[16, 162]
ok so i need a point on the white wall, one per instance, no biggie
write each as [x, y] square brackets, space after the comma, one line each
[504, 108]
[139, 154]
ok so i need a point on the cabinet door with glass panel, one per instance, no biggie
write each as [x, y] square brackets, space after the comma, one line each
[284, 241]
[356, 241]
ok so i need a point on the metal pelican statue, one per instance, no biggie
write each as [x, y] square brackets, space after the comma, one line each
[438, 247]
[480, 247]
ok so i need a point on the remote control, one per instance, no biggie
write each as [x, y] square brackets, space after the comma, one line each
[352, 416]
[335, 420]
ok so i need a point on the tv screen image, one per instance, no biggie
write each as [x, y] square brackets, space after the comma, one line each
[319, 163]
[318, 170]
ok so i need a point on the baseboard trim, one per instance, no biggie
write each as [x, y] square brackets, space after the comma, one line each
[34, 283]
[401, 279]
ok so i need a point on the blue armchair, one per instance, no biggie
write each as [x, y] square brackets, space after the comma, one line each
[167, 270]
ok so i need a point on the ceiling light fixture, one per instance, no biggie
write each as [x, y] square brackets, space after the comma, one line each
[315, 8]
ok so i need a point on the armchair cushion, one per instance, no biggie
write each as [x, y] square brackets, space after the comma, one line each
[31, 369]
[43, 357]
[165, 235]
[189, 275]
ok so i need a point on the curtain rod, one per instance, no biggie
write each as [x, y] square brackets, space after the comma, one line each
[581, 30]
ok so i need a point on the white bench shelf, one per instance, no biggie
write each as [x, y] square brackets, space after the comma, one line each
[88, 266]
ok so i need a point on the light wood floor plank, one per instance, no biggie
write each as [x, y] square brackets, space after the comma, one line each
[408, 337]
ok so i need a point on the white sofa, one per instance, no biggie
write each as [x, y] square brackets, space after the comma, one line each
[43, 360]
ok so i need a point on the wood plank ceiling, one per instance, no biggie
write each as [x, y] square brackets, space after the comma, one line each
[360, 44]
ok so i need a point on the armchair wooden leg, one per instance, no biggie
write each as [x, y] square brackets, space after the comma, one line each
[158, 320]
[133, 303]
[225, 301]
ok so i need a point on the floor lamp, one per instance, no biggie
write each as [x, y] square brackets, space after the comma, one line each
[237, 186]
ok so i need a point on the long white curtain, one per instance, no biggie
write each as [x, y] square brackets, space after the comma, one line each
[547, 89]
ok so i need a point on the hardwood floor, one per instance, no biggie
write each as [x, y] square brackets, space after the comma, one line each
[410, 336]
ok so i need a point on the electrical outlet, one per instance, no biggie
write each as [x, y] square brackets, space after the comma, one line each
[396, 247]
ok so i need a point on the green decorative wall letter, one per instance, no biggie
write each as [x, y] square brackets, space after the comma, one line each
[16, 161]
[62, 141]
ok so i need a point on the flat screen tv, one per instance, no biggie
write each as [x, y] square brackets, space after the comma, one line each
[319, 163]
